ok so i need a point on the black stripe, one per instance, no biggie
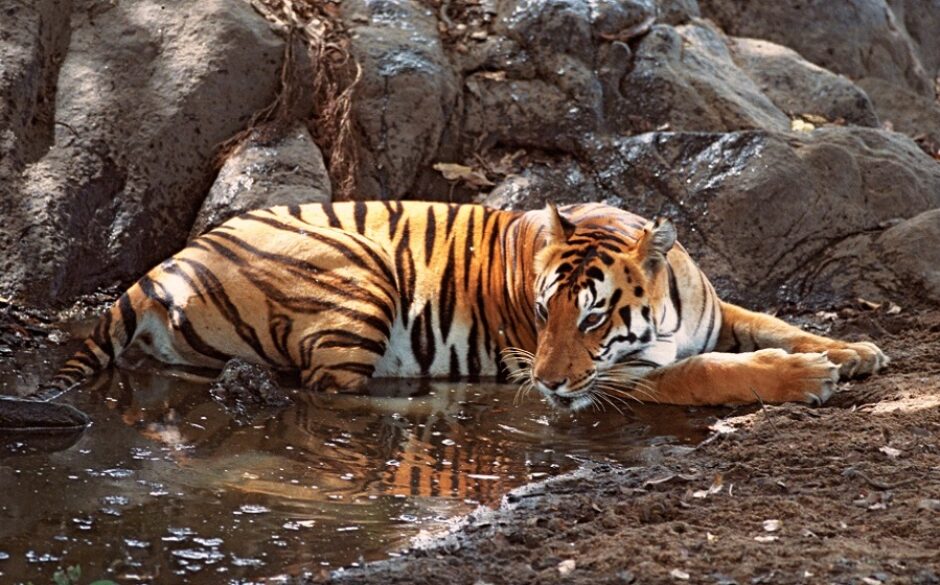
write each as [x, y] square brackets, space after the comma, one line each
[448, 294]
[675, 298]
[422, 340]
[405, 269]
[331, 218]
[454, 364]
[360, 211]
[149, 287]
[128, 318]
[394, 215]
[216, 292]
[102, 335]
[430, 236]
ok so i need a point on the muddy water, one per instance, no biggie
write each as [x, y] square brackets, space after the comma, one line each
[169, 487]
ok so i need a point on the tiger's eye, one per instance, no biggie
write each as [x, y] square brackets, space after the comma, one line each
[592, 320]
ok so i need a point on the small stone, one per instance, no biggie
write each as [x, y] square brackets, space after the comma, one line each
[771, 525]
[566, 567]
[679, 574]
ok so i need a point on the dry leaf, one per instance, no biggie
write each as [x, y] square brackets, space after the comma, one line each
[767, 538]
[815, 119]
[771, 525]
[566, 567]
[492, 75]
[469, 175]
[798, 125]
[717, 485]
[890, 451]
[679, 574]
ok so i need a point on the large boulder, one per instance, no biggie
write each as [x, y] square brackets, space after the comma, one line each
[33, 37]
[758, 210]
[857, 38]
[143, 99]
[796, 86]
[905, 110]
[265, 172]
[406, 95]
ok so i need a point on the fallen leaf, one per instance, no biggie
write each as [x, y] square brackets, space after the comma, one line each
[870, 305]
[799, 125]
[716, 487]
[469, 175]
[890, 451]
[679, 574]
[767, 538]
[815, 119]
[492, 75]
[771, 525]
[893, 309]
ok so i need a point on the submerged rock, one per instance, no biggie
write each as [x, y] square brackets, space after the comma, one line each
[244, 388]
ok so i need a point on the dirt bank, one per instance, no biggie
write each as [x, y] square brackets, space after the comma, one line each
[847, 493]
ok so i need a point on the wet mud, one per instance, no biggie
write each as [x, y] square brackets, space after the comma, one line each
[845, 493]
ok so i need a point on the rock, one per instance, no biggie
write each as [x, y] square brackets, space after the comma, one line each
[796, 86]
[685, 78]
[406, 96]
[907, 112]
[33, 35]
[261, 174]
[911, 250]
[243, 388]
[919, 18]
[143, 99]
[857, 38]
[761, 212]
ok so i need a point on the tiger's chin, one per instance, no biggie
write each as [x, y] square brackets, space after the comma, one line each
[570, 403]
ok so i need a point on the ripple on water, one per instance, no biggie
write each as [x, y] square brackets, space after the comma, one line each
[327, 481]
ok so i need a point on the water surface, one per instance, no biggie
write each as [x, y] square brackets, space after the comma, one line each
[168, 486]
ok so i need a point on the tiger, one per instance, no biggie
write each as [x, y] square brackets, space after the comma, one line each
[586, 303]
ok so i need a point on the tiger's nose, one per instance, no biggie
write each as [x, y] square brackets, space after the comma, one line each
[551, 385]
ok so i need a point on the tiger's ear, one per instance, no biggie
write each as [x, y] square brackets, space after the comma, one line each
[559, 228]
[657, 239]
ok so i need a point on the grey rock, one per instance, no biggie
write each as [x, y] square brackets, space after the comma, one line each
[920, 21]
[857, 38]
[261, 174]
[146, 93]
[685, 77]
[797, 86]
[406, 96]
[761, 212]
[906, 111]
[911, 250]
[33, 35]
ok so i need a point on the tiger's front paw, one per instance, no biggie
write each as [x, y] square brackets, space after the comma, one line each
[798, 377]
[858, 359]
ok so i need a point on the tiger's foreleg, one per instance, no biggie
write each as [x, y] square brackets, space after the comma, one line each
[744, 331]
[767, 375]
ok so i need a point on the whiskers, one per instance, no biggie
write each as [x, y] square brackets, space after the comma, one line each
[615, 387]
[520, 361]
[623, 382]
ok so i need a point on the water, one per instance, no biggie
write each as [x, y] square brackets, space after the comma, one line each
[167, 487]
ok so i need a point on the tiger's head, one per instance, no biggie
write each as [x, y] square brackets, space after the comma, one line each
[598, 298]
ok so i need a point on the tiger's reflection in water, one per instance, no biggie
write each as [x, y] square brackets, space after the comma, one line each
[404, 438]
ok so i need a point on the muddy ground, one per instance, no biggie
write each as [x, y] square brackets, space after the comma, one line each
[845, 493]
